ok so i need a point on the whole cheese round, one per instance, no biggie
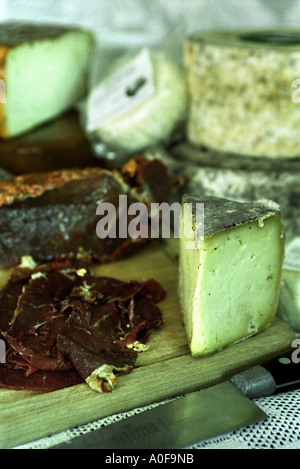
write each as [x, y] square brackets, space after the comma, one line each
[241, 89]
[154, 119]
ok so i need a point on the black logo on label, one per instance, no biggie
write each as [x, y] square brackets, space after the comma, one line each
[133, 89]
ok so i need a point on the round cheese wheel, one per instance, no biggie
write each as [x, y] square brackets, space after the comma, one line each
[156, 118]
[241, 89]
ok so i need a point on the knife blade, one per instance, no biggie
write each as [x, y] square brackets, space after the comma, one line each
[200, 415]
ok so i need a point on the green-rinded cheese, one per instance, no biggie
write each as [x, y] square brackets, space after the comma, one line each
[44, 69]
[230, 279]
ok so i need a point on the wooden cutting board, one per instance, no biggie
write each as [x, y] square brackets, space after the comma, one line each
[164, 371]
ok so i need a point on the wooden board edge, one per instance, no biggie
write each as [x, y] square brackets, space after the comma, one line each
[80, 405]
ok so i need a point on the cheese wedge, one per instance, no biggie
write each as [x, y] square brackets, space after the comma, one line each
[44, 69]
[229, 277]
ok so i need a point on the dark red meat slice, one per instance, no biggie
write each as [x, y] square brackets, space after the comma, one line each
[90, 338]
[37, 319]
[151, 178]
[101, 332]
[56, 319]
[44, 381]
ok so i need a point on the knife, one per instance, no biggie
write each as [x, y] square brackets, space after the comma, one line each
[199, 415]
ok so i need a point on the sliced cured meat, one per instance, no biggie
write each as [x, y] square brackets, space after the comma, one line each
[37, 318]
[107, 322]
[58, 319]
[150, 178]
[92, 340]
[53, 215]
[43, 381]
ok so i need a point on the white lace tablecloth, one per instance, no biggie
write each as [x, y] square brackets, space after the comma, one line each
[280, 431]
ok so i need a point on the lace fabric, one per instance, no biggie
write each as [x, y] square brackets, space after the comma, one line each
[280, 431]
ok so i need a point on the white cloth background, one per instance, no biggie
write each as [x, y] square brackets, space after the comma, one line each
[125, 24]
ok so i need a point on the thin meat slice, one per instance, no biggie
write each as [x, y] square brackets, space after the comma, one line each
[102, 334]
[37, 319]
[59, 319]
[90, 338]
[43, 381]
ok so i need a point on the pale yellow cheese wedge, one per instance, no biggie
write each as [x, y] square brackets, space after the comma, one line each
[229, 283]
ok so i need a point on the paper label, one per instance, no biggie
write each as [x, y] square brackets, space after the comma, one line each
[125, 89]
[292, 255]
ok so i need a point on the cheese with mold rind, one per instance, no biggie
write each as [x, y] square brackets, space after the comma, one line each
[240, 92]
[229, 284]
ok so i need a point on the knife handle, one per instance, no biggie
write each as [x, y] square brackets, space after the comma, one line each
[285, 371]
[280, 374]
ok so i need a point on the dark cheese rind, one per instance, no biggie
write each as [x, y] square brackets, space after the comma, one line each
[204, 157]
[221, 214]
[13, 33]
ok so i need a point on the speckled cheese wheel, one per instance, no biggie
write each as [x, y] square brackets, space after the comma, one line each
[241, 94]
